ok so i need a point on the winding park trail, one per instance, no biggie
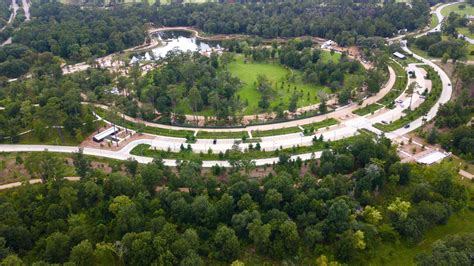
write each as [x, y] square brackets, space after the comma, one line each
[348, 127]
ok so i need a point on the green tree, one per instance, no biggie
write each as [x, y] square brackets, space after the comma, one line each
[132, 166]
[226, 244]
[81, 163]
[82, 254]
[45, 165]
[57, 248]
[12, 260]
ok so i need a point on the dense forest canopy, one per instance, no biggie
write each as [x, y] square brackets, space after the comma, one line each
[77, 34]
[48, 98]
[123, 218]
[342, 21]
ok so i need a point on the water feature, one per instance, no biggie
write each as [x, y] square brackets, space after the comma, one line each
[177, 40]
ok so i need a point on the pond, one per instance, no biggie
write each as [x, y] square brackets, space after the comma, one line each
[177, 40]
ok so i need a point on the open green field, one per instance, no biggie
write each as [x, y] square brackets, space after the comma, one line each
[248, 72]
[468, 10]
[403, 254]
[465, 31]
[434, 20]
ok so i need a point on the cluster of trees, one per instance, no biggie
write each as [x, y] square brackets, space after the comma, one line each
[299, 55]
[78, 34]
[342, 21]
[149, 214]
[15, 60]
[190, 81]
[193, 82]
[456, 117]
[433, 43]
[4, 12]
[454, 250]
[48, 99]
[453, 22]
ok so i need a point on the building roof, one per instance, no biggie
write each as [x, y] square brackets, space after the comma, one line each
[432, 157]
[102, 135]
[399, 55]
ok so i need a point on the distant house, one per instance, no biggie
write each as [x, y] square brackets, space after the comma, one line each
[399, 55]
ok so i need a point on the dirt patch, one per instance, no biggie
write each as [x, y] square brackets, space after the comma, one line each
[11, 171]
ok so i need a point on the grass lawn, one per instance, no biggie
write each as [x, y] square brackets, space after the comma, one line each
[459, 223]
[416, 50]
[327, 56]
[403, 255]
[419, 52]
[465, 31]
[321, 124]
[276, 74]
[151, 130]
[468, 10]
[221, 135]
[399, 86]
[368, 109]
[273, 132]
[434, 20]
[53, 138]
